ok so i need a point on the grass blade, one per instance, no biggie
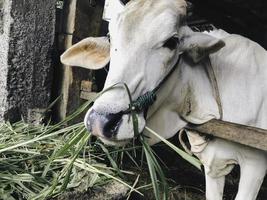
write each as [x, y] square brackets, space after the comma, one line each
[195, 162]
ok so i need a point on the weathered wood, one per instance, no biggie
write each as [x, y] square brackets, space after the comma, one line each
[247, 135]
[65, 72]
[81, 19]
[86, 86]
[88, 95]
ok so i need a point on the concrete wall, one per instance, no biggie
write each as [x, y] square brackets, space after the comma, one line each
[4, 46]
[26, 47]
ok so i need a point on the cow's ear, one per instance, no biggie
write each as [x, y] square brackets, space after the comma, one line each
[198, 45]
[90, 53]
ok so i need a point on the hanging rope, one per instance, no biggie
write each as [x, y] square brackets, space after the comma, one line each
[215, 87]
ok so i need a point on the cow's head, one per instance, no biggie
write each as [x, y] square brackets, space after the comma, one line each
[146, 39]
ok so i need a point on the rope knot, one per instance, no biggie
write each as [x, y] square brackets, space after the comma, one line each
[144, 101]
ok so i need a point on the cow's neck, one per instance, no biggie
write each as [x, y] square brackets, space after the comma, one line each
[186, 97]
[194, 93]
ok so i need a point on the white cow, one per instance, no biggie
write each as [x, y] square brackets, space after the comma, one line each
[147, 38]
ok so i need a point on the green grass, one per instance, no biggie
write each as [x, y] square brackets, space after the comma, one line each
[38, 166]
[42, 161]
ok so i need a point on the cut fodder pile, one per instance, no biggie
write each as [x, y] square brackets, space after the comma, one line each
[41, 161]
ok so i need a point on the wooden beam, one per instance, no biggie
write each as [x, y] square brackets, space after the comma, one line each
[86, 86]
[247, 135]
[89, 96]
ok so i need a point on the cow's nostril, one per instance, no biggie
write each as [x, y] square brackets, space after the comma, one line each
[89, 119]
[111, 126]
[100, 124]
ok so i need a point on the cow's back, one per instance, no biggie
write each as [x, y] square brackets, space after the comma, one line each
[241, 70]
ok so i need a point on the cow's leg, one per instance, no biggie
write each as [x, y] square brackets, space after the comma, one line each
[218, 158]
[214, 187]
[253, 168]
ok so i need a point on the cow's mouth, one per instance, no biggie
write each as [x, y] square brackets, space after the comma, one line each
[115, 142]
[103, 125]
[115, 129]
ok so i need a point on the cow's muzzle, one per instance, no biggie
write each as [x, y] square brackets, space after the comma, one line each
[103, 124]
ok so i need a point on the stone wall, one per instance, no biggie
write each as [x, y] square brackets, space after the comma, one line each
[26, 47]
[1, 16]
[5, 7]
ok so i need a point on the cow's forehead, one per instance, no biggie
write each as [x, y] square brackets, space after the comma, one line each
[140, 15]
[145, 6]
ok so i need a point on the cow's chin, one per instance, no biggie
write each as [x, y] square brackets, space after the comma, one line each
[125, 132]
[118, 143]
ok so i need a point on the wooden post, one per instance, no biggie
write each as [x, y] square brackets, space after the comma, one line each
[82, 20]
[70, 7]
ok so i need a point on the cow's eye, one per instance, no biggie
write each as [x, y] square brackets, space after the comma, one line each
[124, 2]
[171, 43]
[108, 36]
